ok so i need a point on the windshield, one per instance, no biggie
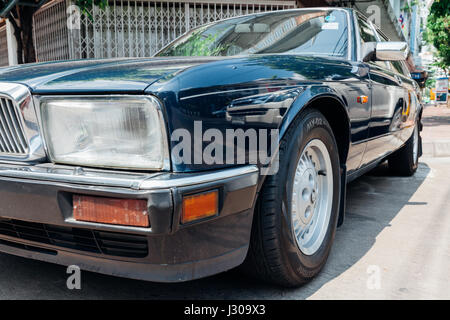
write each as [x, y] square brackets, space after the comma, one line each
[308, 32]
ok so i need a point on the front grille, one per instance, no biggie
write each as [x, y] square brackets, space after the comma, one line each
[12, 138]
[102, 242]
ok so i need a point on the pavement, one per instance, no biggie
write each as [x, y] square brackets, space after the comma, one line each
[436, 131]
[394, 244]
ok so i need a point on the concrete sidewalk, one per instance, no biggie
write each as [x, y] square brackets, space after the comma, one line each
[394, 244]
[436, 131]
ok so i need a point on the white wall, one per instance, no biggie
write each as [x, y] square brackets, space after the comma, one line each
[12, 44]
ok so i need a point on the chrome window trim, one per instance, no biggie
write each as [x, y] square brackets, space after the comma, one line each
[166, 156]
[22, 99]
[349, 35]
[357, 36]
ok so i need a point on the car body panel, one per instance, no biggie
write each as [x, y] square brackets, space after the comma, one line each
[96, 75]
[210, 91]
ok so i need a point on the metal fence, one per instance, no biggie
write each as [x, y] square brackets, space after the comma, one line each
[3, 47]
[50, 32]
[131, 28]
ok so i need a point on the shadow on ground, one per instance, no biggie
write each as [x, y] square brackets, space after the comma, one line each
[372, 202]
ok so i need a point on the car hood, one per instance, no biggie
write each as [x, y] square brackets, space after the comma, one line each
[97, 76]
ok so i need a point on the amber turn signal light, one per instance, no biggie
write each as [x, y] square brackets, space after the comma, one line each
[127, 212]
[362, 99]
[200, 206]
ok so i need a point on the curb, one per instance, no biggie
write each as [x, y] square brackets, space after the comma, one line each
[438, 148]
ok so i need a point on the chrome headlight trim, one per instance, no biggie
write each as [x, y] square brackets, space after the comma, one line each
[166, 164]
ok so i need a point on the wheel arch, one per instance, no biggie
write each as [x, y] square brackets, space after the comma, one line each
[334, 110]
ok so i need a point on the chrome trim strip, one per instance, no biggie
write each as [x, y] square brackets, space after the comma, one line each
[349, 37]
[75, 175]
[358, 37]
[107, 178]
[236, 90]
[171, 180]
[25, 113]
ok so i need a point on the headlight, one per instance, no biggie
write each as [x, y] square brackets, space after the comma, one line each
[116, 132]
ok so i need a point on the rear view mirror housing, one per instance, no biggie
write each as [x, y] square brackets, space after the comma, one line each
[384, 51]
[391, 51]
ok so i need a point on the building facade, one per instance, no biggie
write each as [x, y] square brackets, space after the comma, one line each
[125, 28]
[139, 28]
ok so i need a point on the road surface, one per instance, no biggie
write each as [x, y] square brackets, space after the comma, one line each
[394, 244]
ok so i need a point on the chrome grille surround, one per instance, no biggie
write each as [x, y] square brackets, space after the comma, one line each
[20, 137]
[12, 139]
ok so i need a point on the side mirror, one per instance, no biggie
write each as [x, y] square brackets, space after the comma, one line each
[384, 51]
[391, 51]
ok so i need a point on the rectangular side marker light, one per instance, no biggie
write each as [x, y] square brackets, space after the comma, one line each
[362, 99]
[200, 206]
[126, 212]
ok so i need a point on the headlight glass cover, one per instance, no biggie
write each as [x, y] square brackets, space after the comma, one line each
[113, 132]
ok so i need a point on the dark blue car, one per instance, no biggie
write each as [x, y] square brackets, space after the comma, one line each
[233, 145]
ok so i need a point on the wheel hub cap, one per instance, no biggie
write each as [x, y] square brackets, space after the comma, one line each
[312, 195]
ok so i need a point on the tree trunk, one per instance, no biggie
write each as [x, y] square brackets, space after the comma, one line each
[26, 24]
[18, 36]
[23, 32]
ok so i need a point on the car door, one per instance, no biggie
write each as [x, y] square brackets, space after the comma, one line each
[389, 100]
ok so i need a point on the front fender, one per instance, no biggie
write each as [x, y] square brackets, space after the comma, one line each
[308, 98]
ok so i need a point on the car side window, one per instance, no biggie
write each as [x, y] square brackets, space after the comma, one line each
[400, 67]
[366, 31]
[397, 66]
[369, 34]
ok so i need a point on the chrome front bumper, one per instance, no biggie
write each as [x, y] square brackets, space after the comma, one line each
[42, 194]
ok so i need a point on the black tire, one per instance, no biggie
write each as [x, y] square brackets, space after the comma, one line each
[274, 255]
[402, 162]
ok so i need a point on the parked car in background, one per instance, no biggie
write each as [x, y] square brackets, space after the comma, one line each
[91, 172]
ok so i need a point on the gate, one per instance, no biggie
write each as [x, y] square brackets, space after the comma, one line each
[50, 33]
[132, 28]
[3, 47]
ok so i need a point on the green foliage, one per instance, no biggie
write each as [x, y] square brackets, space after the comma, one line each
[430, 82]
[438, 33]
[408, 6]
[196, 45]
[87, 4]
